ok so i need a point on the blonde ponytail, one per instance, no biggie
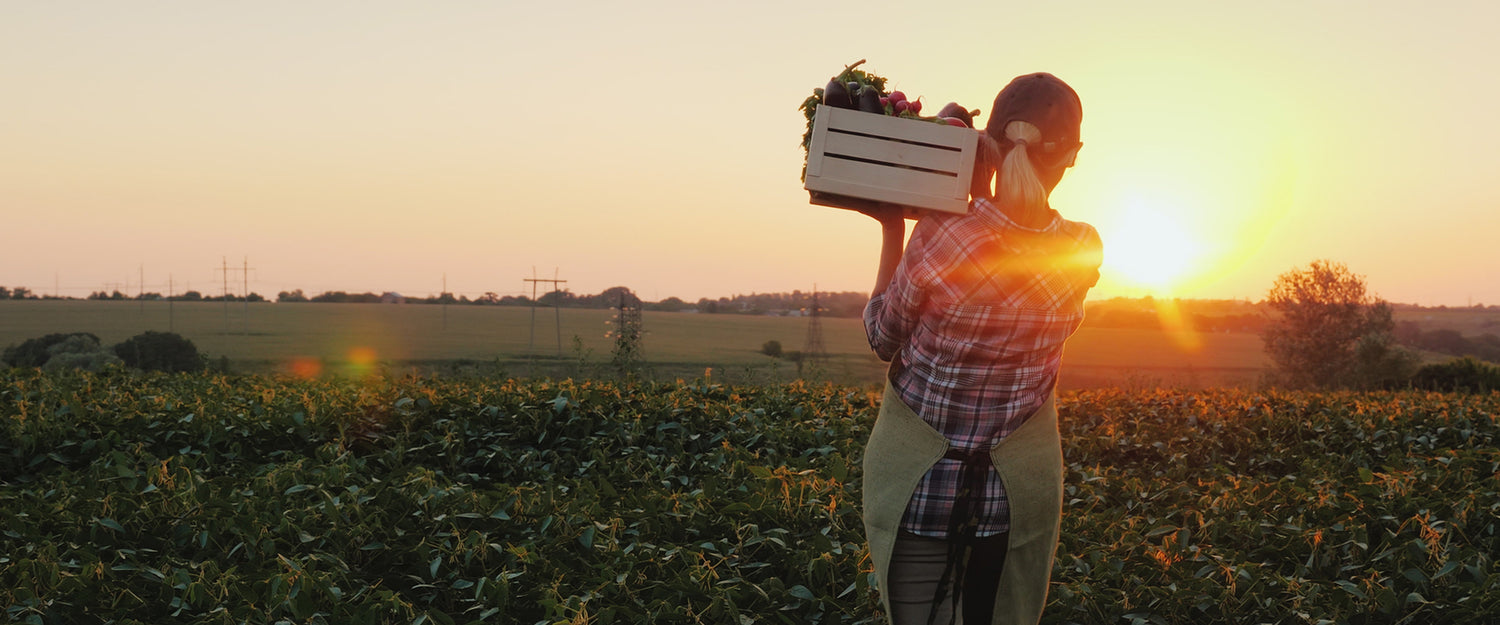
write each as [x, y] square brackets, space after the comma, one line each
[1019, 188]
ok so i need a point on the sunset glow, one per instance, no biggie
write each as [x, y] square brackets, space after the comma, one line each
[1146, 247]
[462, 145]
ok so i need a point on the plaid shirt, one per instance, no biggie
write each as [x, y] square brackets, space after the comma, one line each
[974, 322]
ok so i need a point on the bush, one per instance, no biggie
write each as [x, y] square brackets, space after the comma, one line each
[79, 351]
[771, 348]
[1466, 374]
[160, 351]
[35, 352]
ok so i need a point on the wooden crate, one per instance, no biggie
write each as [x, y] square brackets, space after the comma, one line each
[858, 159]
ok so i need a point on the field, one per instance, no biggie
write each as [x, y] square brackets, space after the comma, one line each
[145, 498]
[270, 338]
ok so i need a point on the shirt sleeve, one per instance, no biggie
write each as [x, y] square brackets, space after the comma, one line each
[891, 316]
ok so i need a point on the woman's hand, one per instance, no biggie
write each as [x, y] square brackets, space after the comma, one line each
[887, 214]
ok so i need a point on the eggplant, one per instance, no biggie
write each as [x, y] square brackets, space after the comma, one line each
[835, 94]
[952, 109]
[869, 101]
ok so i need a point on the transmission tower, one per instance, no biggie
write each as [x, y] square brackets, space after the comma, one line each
[627, 333]
[814, 351]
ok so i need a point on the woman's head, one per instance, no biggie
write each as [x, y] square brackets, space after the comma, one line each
[1034, 125]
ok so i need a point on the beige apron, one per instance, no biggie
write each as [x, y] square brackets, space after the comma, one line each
[903, 447]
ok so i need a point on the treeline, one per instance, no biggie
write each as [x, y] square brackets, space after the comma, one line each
[19, 292]
[842, 304]
[186, 296]
[1451, 342]
[831, 304]
[1201, 322]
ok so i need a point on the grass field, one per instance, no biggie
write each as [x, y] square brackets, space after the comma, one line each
[267, 337]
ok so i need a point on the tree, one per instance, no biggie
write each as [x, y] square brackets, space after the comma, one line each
[1330, 331]
[159, 351]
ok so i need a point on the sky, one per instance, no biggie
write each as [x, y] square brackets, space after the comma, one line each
[398, 146]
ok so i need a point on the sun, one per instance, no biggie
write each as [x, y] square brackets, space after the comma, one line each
[1147, 248]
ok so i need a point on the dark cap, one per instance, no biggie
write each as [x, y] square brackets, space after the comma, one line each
[1042, 100]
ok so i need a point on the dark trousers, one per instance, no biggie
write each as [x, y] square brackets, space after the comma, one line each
[917, 564]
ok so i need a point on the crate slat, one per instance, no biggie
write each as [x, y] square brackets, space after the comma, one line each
[897, 186]
[921, 156]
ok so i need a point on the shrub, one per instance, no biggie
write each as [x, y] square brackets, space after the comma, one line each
[1379, 363]
[35, 352]
[79, 351]
[1460, 374]
[160, 351]
[771, 348]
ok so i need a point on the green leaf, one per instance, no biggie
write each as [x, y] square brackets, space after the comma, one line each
[801, 592]
[587, 538]
[1415, 575]
[111, 524]
[1448, 567]
[1352, 588]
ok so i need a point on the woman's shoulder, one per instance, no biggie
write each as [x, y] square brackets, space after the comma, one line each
[1082, 232]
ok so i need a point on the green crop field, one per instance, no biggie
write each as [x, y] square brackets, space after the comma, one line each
[200, 498]
[268, 338]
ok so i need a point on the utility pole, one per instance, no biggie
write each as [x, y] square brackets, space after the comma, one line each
[557, 306]
[224, 269]
[245, 275]
[171, 312]
[444, 298]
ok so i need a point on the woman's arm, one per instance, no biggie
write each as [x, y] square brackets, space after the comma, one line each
[892, 238]
[888, 324]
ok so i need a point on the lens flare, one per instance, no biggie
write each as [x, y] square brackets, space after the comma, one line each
[1178, 326]
[306, 367]
[361, 361]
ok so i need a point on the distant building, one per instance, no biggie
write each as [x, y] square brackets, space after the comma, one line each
[392, 297]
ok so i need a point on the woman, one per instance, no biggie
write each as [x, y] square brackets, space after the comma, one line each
[963, 470]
